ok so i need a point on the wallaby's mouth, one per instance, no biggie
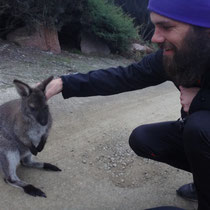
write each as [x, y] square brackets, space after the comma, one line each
[42, 119]
[43, 122]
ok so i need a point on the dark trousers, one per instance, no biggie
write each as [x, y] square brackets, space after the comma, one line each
[186, 148]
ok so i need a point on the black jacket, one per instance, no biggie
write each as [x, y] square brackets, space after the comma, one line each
[148, 72]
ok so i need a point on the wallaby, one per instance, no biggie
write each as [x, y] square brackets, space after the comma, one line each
[24, 128]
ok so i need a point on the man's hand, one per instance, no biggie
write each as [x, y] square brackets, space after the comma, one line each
[186, 96]
[53, 88]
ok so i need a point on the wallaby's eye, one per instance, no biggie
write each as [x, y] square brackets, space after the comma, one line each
[32, 107]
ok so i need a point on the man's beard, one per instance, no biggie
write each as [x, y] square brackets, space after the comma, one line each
[191, 61]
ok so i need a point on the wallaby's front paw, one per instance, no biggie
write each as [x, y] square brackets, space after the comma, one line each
[33, 150]
[40, 147]
[50, 167]
[31, 190]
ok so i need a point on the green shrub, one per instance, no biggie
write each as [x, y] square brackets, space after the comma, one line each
[138, 10]
[108, 22]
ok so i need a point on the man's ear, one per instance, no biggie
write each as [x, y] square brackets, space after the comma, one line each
[208, 31]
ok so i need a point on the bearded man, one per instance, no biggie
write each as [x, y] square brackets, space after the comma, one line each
[182, 31]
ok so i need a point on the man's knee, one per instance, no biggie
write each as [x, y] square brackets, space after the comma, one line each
[135, 137]
[138, 140]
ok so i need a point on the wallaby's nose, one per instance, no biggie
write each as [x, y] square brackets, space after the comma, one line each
[43, 122]
[42, 119]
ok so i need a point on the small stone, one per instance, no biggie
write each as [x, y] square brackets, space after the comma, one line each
[84, 161]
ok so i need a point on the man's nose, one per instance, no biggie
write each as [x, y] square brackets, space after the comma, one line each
[157, 37]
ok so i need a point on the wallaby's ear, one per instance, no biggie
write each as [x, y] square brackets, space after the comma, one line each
[23, 89]
[44, 84]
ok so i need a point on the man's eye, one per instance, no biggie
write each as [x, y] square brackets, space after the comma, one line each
[167, 27]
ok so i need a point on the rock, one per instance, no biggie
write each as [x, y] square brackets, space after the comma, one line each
[42, 38]
[90, 44]
[114, 165]
[137, 47]
[3, 47]
[84, 161]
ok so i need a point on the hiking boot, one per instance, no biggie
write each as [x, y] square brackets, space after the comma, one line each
[188, 192]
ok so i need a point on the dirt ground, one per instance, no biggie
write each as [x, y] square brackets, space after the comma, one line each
[89, 141]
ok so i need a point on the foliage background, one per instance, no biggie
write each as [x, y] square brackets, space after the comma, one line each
[138, 10]
[117, 26]
[110, 23]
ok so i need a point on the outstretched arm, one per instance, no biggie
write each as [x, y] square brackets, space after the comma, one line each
[148, 72]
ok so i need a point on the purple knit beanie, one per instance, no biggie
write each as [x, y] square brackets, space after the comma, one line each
[194, 12]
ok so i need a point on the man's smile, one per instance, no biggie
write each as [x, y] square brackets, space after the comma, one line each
[168, 51]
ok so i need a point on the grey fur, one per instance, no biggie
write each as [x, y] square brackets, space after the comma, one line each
[24, 127]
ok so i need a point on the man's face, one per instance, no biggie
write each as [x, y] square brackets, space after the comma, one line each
[186, 49]
[169, 34]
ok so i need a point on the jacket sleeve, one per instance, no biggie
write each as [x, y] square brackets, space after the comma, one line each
[201, 101]
[148, 72]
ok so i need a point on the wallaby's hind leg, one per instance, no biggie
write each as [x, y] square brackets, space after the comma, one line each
[9, 165]
[29, 162]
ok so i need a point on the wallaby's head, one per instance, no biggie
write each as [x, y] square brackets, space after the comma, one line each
[34, 103]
